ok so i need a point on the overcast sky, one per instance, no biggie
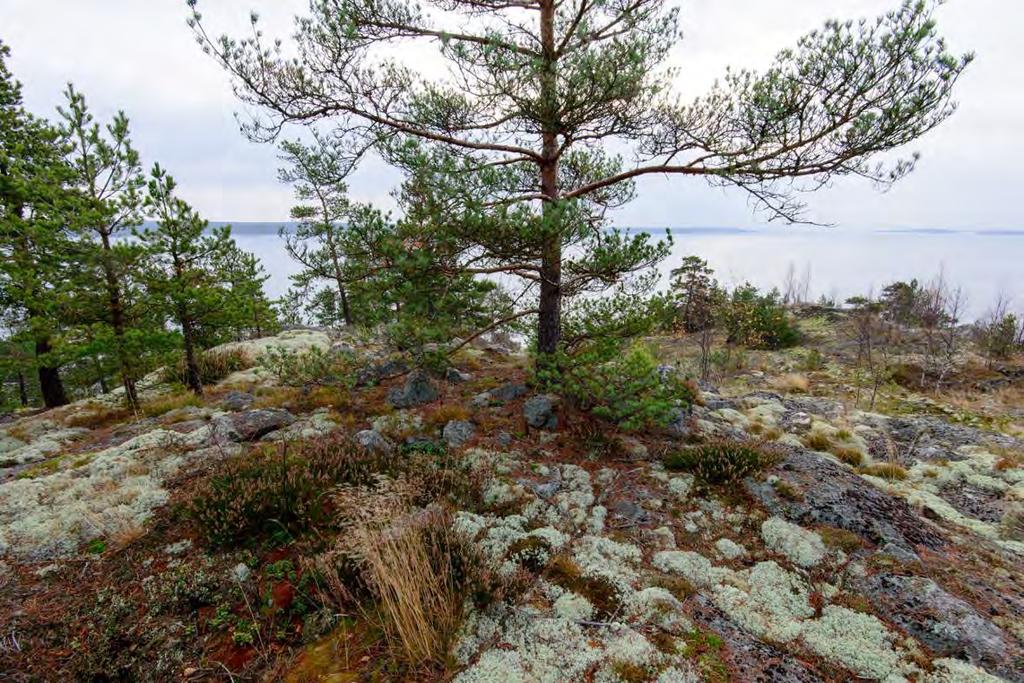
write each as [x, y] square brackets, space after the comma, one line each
[138, 55]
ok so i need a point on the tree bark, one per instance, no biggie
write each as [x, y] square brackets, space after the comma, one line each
[22, 389]
[117, 322]
[336, 264]
[549, 317]
[193, 379]
[50, 383]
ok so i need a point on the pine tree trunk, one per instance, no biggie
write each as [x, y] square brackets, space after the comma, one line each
[49, 378]
[345, 312]
[549, 318]
[192, 377]
[117, 322]
[22, 389]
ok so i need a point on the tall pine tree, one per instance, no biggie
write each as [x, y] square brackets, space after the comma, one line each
[182, 273]
[109, 176]
[36, 201]
[518, 130]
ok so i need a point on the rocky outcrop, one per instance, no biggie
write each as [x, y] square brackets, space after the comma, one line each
[417, 390]
[540, 411]
[251, 425]
[834, 495]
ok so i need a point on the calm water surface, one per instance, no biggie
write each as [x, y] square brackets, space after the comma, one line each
[842, 262]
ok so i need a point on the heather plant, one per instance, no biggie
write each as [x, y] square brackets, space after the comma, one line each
[721, 463]
[278, 492]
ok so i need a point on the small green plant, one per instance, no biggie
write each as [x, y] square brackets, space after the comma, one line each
[312, 368]
[624, 388]
[812, 361]
[281, 570]
[721, 462]
[245, 632]
[96, 546]
[840, 539]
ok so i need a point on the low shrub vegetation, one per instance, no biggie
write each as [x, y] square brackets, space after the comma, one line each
[310, 369]
[213, 366]
[721, 463]
[626, 389]
[278, 492]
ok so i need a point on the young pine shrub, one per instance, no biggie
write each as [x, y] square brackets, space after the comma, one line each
[720, 463]
[312, 368]
[623, 388]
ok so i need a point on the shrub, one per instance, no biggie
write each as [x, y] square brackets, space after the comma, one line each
[722, 462]
[759, 320]
[278, 491]
[624, 388]
[311, 368]
[812, 361]
[213, 366]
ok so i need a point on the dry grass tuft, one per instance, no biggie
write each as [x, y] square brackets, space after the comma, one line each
[444, 414]
[885, 471]
[98, 416]
[851, 456]
[165, 404]
[817, 441]
[793, 383]
[415, 566]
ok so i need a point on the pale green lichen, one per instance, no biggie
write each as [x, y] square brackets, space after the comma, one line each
[729, 549]
[800, 546]
[573, 607]
[956, 671]
[601, 557]
[680, 486]
[692, 566]
[768, 601]
[857, 641]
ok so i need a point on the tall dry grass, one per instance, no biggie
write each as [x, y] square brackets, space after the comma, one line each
[413, 564]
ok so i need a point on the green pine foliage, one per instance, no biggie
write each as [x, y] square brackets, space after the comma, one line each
[759, 320]
[36, 201]
[510, 155]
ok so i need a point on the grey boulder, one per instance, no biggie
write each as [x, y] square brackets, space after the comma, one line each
[457, 432]
[539, 411]
[417, 390]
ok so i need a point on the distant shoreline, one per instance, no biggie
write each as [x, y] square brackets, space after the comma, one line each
[272, 227]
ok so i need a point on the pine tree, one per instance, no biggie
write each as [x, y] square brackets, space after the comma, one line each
[316, 240]
[109, 176]
[35, 204]
[515, 136]
[182, 269]
[250, 314]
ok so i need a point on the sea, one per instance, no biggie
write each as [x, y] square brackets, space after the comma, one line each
[834, 262]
